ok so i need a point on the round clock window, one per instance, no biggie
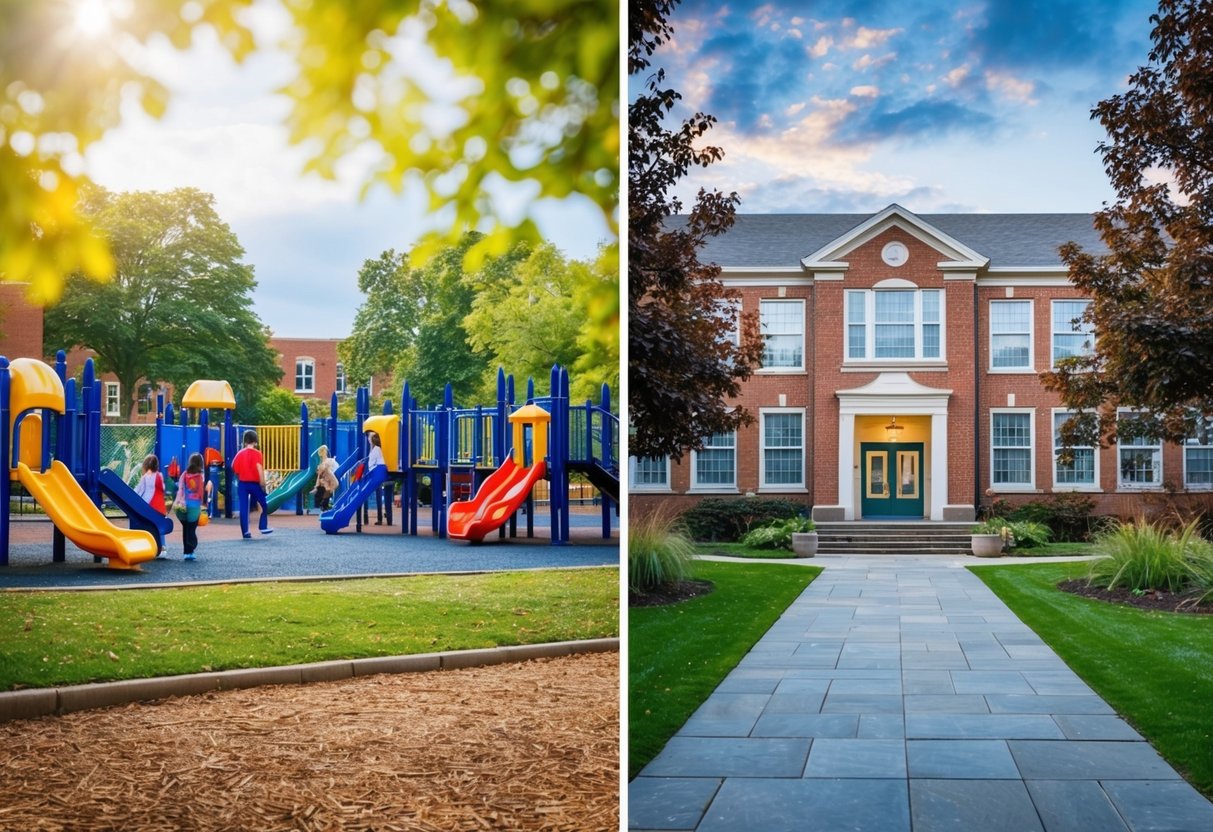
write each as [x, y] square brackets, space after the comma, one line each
[895, 254]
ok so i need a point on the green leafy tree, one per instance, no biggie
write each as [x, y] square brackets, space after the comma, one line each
[534, 87]
[179, 306]
[274, 406]
[386, 322]
[1152, 292]
[537, 319]
[680, 369]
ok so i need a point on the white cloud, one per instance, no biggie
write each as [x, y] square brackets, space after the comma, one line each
[822, 47]
[868, 62]
[865, 91]
[1010, 87]
[956, 76]
[865, 38]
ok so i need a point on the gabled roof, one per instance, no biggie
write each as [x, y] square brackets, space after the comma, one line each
[834, 253]
[1008, 240]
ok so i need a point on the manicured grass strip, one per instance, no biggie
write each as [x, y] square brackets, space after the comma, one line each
[740, 550]
[678, 654]
[63, 638]
[1155, 669]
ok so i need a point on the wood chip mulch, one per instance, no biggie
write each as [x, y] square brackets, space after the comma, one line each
[531, 746]
[1155, 600]
[670, 594]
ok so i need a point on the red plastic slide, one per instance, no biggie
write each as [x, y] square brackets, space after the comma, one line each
[498, 497]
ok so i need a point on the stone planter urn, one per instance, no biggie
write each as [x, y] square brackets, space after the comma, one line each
[987, 545]
[804, 544]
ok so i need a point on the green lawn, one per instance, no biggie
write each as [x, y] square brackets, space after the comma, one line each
[1155, 669]
[1055, 550]
[59, 638]
[740, 550]
[678, 654]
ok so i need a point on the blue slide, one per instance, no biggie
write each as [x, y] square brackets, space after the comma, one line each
[351, 499]
[138, 512]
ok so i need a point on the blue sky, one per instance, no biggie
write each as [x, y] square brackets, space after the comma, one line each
[305, 237]
[848, 106]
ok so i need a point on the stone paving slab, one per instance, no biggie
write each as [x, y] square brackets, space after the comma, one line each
[899, 694]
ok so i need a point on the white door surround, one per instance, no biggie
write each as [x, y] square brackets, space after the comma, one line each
[892, 394]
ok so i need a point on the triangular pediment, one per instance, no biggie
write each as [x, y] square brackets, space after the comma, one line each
[954, 255]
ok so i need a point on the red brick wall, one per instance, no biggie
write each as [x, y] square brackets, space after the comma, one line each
[323, 352]
[20, 323]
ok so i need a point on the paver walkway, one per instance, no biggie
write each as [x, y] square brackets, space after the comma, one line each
[899, 694]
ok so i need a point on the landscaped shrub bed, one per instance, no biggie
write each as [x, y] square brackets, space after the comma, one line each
[721, 520]
[1144, 558]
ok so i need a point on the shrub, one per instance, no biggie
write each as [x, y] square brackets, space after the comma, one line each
[720, 520]
[778, 535]
[1067, 515]
[659, 553]
[1142, 556]
[992, 525]
[1028, 534]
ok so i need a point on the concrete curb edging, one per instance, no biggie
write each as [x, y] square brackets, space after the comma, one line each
[38, 702]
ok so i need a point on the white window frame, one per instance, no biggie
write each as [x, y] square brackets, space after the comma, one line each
[633, 485]
[1121, 485]
[1054, 332]
[1015, 486]
[783, 487]
[1190, 444]
[728, 311]
[301, 363]
[798, 302]
[1031, 365]
[717, 487]
[339, 383]
[113, 398]
[1071, 486]
[869, 327]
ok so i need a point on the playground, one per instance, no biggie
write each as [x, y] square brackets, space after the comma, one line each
[514, 746]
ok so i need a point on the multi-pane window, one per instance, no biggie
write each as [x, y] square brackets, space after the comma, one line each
[1079, 469]
[1198, 455]
[783, 334]
[340, 385]
[112, 406]
[1011, 440]
[715, 465]
[894, 324]
[305, 375]
[1011, 334]
[1139, 458]
[783, 448]
[650, 472]
[1072, 336]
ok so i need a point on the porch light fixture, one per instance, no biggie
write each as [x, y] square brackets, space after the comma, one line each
[893, 429]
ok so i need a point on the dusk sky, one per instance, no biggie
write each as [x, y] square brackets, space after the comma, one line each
[940, 107]
[305, 237]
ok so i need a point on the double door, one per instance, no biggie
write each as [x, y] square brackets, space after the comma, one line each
[891, 479]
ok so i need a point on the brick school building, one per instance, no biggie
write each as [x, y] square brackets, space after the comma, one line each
[900, 375]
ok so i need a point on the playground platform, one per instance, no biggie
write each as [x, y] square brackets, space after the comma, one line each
[298, 549]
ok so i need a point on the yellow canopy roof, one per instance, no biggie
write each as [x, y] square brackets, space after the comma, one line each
[203, 393]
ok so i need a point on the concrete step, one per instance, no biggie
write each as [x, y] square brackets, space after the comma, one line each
[894, 538]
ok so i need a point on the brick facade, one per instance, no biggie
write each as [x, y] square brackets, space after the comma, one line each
[947, 403]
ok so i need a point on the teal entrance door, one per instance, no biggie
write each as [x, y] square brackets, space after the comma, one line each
[891, 479]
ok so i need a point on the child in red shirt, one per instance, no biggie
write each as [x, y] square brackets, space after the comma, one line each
[249, 469]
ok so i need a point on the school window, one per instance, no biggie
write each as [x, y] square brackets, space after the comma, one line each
[340, 384]
[783, 334]
[714, 467]
[1011, 440]
[112, 408]
[1010, 335]
[147, 400]
[1198, 455]
[305, 375]
[728, 311]
[1079, 471]
[651, 473]
[782, 449]
[1139, 458]
[885, 324]
[1072, 336]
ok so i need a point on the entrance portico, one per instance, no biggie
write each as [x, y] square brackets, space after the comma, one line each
[883, 471]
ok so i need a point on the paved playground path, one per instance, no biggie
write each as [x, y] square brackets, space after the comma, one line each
[298, 549]
[902, 694]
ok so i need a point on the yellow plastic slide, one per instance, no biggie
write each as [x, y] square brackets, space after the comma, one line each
[74, 514]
